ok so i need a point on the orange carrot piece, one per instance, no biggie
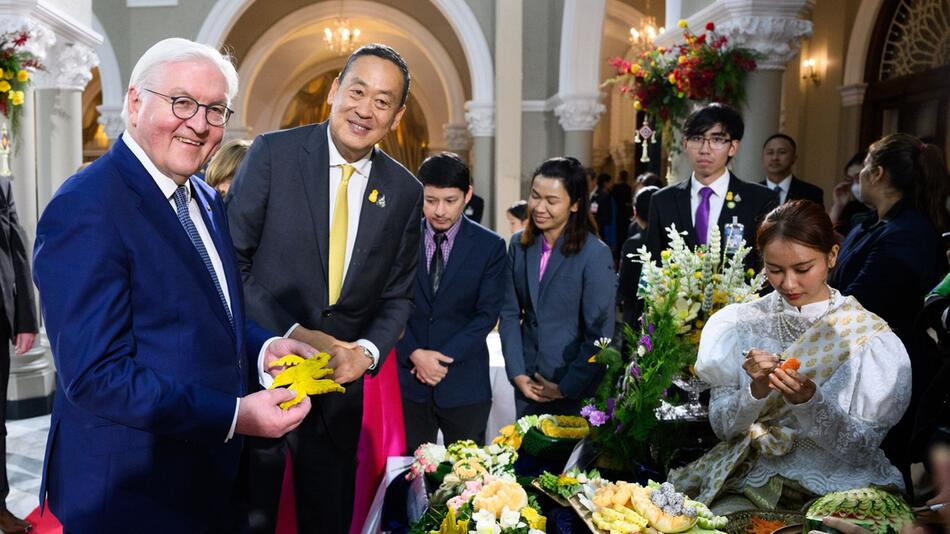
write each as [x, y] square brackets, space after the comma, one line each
[791, 363]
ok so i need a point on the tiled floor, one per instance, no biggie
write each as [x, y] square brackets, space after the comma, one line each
[26, 445]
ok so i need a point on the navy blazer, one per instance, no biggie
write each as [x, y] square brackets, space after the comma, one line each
[550, 326]
[148, 366]
[456, 319]
[799, 189]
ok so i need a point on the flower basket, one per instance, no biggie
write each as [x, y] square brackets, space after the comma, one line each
[555, 450]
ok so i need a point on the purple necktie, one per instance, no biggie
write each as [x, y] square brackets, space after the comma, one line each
[702, 216]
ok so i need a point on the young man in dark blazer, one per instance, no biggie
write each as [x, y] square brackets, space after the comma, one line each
[443, 357]
[778, 156]
[326, 230]
[712, 195]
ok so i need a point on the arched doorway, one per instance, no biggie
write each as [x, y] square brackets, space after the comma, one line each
[408, 144]
[908, 72]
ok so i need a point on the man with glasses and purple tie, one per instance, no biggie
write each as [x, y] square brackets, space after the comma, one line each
[144, 309]
[712, 194]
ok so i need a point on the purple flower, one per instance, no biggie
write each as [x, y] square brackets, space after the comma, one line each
[611, 402]
[647, 344]
[618, 429]
[650, 328]
[665, 393]
[587, 410]
[597, 418]
[635, 371]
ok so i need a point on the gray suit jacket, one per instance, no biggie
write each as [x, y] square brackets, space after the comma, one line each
[278, 210]
[549, 326]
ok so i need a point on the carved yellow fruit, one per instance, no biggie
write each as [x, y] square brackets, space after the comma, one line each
[661, 521]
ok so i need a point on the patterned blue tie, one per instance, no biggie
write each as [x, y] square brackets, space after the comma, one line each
[181, 204]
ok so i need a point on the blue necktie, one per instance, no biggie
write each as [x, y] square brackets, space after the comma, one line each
[181, 204]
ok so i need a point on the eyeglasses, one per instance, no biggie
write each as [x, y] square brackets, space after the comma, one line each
[185, 107]
[716, 142]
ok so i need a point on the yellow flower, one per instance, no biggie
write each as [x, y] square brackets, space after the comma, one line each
[682, 23]
[535, 520]
[671, 78]
[1, 73]
[635, 68]
[699, 323]
[22, 75]
[566, 480]
[16, 98]
[637, 105]
[665, 254]
[698, 275]
[4, 86]
[750, 273]
[8, 75]
[592, 359]
[681, 60]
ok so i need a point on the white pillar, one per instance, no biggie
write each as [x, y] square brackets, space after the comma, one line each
[458, 140]
[509, 48]
[59, 116]
[110, 117]
[578, 114]
[481, 124]
[852, 100]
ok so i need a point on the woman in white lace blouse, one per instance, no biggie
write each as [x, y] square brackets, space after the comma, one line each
[791, 435]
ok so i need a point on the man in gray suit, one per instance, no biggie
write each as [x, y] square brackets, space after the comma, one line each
[17, 324]
[326, 229]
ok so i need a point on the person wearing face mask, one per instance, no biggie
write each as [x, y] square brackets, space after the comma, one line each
[790, 433]
[892, 260]
[846, 209]
[560, 290]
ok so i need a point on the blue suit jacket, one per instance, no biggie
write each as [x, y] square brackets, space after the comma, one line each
[148, 366]
[550, 326]
[456, 320]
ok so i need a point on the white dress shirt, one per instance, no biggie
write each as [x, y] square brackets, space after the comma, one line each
[720, 187]
[783, 187]
[168, 188]
[355, 193]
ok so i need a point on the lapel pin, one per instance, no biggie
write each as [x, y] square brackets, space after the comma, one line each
[373, 195]
[381, 202]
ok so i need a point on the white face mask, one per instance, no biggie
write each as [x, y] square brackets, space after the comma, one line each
[856, 191]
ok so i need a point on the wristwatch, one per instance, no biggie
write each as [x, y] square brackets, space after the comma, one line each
[369, 354]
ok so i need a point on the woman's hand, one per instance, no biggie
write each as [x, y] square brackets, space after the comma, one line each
[529, 388]
[759, 364]
[791, 385]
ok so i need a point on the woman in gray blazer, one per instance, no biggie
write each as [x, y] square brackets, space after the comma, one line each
[559, 297]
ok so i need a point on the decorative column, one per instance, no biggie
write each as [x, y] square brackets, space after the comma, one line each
[458, 140]
[481, 124]
[774, 30]
[578, 114]
[110, 117]
[509, 55]
[59, 116]
[852, 99]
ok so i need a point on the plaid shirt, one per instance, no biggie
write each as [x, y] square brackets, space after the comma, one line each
[446, 245]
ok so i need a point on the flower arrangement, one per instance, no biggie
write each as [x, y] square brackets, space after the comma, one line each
[680, 293]
[665, 82]
[481, 491]
[15, 60]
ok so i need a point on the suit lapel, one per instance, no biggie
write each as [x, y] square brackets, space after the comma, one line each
[224, 250]
[532, 262]
[460, 251]
[684, 214]
[422, 270]
[372, 217]
[314, 161]
[554, 263]
[737, 188]
[155, 208]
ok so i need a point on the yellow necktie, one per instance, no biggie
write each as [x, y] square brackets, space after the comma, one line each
[337, 254]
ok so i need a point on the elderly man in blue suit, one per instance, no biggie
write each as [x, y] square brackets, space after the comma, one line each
[443, 357]
[143, 306]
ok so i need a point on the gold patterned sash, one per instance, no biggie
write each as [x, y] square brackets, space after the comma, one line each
[821, 349]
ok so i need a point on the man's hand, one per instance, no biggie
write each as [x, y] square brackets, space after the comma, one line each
[548, 389]
[529, 388]
[320, 340]
[282, 347]
[429, 368]
[24, 342]
[348, 364]
[260, 415]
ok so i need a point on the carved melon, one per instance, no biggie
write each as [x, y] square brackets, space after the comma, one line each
[660, 520]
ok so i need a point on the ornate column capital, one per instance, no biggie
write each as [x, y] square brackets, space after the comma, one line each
[110, 117]
[773, 28]
[852, 95]
[480, 117]
[579, 112]
[71, 69]
[457, 137]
